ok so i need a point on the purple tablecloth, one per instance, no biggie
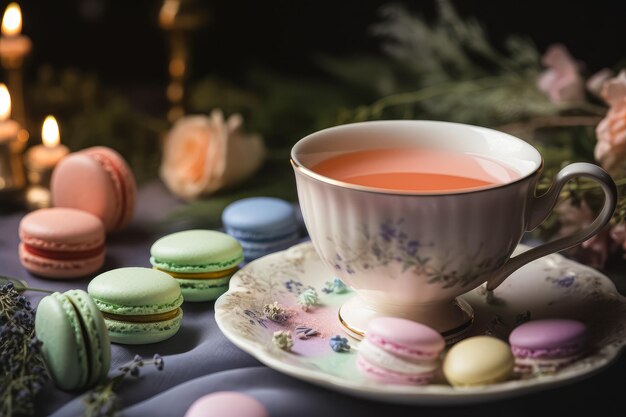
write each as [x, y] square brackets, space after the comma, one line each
[200, 360]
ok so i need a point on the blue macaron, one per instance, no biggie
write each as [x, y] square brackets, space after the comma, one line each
[262, 225]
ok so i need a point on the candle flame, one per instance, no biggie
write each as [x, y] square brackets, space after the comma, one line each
[12, 20]
[168, 13]
[5, 103]
[50, 135]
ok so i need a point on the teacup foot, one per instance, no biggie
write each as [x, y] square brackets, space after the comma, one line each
[452, 319]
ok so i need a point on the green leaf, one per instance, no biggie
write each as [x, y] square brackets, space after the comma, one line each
[19, 284]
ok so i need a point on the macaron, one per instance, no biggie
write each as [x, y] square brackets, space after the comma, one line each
[479, 360]
[399, 351]
[262, 225]
[201, 260]
[99, 181]
[226, 404]
[547, 345]
[61, 243]
[139, 305]
[76, 347]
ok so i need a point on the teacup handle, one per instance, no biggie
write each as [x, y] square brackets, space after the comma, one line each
[543, 205]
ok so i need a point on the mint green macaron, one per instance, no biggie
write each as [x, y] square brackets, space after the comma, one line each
[76, 347]
[201, 260]
[139, 305]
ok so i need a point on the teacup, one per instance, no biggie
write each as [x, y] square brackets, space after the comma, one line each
[462, 239]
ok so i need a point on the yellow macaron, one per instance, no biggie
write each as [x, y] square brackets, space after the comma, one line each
[479, 360]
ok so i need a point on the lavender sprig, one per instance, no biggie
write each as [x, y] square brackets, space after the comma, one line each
[305, 332]
[102, 401]
[275, 312]
[22, 370]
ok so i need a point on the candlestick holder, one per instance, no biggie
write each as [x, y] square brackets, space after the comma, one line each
[12, 178]
[178, 18]
[38, 191]
[14, 47]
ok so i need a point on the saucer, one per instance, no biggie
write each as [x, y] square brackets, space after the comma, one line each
[552, 286]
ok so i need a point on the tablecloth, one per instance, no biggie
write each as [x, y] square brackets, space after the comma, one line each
[200, 360]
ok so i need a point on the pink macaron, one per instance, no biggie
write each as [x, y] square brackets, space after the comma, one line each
[99, 181]
[399, 351]
[226, 404]
[61, 243]
[547, 345]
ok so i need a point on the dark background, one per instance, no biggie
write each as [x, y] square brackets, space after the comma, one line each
[121, 42]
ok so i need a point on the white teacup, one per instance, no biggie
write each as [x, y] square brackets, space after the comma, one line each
[460, 239]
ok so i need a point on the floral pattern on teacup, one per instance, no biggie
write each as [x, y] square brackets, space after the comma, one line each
[391, 244]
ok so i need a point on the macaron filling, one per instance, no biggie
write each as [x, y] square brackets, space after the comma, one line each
[63, 255]
[391, 376]
[143, 318]
[559, 352]
[169, 267]
[380, 357]
[97, 343]
[201, 275]
[264, 236]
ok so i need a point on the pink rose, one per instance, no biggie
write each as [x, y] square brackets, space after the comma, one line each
[618, 234]
[204, 154]
[610, 149]
[597, 80]
[561, 81]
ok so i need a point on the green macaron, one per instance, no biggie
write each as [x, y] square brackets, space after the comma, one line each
[76, 346]
[139, 305]
[201, 260]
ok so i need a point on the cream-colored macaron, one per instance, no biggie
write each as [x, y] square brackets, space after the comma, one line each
[479, 360]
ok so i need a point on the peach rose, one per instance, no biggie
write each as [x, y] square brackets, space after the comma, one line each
[561, 81]
[204, 154]
[610, 149]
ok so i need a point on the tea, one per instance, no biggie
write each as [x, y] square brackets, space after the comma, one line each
[419, 170]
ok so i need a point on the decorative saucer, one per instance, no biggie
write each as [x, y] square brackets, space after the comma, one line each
[552, 286]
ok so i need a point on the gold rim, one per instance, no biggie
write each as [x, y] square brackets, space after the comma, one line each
[145, 318]
[203, 275]
[448, 334]
[360, 333]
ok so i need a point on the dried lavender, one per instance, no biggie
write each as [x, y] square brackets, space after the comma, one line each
[305, 332]
[102, 401]
[21, 363]
[282, 339]
[275, 312]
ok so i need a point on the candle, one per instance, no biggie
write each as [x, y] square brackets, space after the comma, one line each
[9, 129]
[13, 45]
[46, 156]
[11, 168]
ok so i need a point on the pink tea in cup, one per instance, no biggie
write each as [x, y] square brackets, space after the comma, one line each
[418, 170]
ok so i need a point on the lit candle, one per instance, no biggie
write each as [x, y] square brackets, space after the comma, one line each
[11, 168]
[13, 45]
[9, 129]
[46, 156]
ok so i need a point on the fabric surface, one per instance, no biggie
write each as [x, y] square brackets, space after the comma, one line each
[200, 360]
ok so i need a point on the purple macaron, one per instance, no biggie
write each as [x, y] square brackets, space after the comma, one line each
[547, 345]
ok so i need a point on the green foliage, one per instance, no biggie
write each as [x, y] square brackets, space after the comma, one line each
[90, 115]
